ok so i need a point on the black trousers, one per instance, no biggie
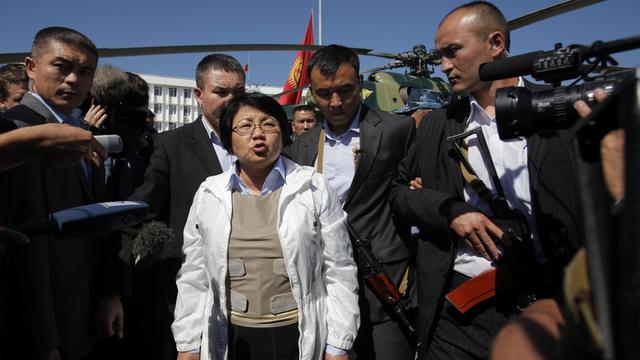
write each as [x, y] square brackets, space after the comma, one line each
[383, 341]
[279, 343]
[468, 336]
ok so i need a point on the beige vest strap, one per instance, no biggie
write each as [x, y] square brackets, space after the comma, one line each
[320, 157]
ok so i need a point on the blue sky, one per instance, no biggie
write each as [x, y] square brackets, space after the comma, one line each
[390, 26]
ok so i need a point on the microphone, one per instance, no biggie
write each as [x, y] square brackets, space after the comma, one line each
[152, 243]
[509, 67]
[112, 143]
[87, 220]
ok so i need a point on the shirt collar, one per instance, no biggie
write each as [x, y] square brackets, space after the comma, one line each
[275, 178]
[478, 114]
[213, 136]
[59, 115]
[355, 127]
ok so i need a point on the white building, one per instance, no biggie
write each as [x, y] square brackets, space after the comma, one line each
[174, 103]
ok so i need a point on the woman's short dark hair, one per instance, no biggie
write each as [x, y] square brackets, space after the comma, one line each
[262, 102]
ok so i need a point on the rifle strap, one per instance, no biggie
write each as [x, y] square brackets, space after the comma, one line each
[320, 157]
[470, 176]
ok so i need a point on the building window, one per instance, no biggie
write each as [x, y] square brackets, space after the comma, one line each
[187, 93]
[157, 108]
[187, 110]
[157, 90]
[173, 92]
[172, 125]
[172, 110]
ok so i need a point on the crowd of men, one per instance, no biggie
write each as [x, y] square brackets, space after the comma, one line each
[58, 298]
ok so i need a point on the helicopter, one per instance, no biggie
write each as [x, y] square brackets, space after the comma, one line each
[382, 88]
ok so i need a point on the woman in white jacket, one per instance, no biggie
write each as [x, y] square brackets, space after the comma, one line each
[268, 270]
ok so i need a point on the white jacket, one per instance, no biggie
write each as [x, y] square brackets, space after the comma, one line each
[317, 254]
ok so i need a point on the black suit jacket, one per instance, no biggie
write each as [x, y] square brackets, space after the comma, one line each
[384, 140]
[556, 206]
[64, 277]
[182, 159]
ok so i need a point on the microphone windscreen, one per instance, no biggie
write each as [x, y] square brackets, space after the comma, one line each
[509, 67]
[112, 143]
[151, 240]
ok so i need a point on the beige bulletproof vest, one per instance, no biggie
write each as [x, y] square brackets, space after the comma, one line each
[260, 293]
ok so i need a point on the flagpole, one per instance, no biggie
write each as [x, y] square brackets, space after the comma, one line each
[319, 22]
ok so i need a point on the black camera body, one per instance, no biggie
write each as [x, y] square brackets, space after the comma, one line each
[125, 121]
[521, 112]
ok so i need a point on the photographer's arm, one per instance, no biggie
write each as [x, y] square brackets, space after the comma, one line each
[611, 151]
[56, 144]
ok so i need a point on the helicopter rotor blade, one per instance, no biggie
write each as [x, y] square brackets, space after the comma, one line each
[549, 12]
[181, 49]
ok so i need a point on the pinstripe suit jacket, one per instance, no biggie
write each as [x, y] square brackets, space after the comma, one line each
[553, 183]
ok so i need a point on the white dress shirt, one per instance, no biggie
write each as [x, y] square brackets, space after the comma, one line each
[225, 159]
[338, 158]
[510, 161]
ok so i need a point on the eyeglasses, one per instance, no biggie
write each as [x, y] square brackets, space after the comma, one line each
[246, 127]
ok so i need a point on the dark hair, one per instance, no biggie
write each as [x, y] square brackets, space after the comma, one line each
[303, 107]
[63, 35]
[11, 74]
[329, 58]
[489, 18]
[139, 91]
[217, 62]
[114, 87]
[261, 102]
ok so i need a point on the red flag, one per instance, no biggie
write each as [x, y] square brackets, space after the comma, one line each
[298, 75]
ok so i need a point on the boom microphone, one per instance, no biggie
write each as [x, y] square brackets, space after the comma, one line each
[509, 67]
[151, 242]
[87, 220]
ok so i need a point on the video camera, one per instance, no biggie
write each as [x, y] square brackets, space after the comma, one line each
[125, 96]
[521, 112]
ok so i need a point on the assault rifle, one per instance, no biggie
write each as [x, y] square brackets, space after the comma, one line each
[377, 280]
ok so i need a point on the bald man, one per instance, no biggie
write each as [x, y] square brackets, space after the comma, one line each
[460, 236]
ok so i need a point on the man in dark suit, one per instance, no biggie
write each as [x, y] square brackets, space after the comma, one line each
[181, 160]
[361, 151]
[71, 282]
[459, 236]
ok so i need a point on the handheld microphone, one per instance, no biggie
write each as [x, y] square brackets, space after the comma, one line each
[87, 220]
[112, 143]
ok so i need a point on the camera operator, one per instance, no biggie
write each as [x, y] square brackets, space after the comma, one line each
[462, 234]
[118, 106]
[542, 331]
